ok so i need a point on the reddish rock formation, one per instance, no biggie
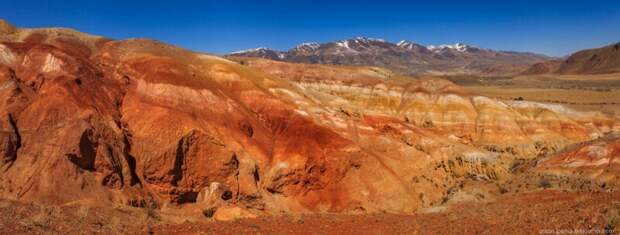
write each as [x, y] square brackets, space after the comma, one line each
[142, 123]
[593, 164]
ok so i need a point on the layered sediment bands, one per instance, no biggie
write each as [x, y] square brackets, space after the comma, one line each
[441, 107]
[589, 165]
[138, 122]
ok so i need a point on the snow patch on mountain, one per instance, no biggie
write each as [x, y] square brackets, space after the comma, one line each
[352, 45]
[345, 44]
[403, 43]
[407, 45]
[307, 46]
[460, 47]
[365, 39]
[250, 50]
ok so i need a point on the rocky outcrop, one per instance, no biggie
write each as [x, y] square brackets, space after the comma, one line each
[591, 165]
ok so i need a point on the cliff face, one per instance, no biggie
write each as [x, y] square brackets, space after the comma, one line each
[140, 122]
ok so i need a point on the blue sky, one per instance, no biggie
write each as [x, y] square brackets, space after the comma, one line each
[552, 27]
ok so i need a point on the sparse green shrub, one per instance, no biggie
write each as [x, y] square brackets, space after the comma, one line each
[503, 190]
[544, 183]
[612, 224]
[209, 212]
[151, 212]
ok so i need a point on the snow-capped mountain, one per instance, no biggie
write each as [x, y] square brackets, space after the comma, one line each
[253, 50]
[404, 44]
[307, 47]
[261, 52]
[360, 44]
[365, 40]
[408, 45]
[405, 56]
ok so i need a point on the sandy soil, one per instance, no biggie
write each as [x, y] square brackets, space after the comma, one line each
[589, 77]
[581, 92]
[537, 212]
[549, 95]
[607, 102]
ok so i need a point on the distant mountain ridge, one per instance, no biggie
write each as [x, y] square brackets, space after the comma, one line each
[593, 61]
[603, 60]
[406, 57]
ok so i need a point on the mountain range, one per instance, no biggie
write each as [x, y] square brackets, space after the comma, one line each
[404, 57]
